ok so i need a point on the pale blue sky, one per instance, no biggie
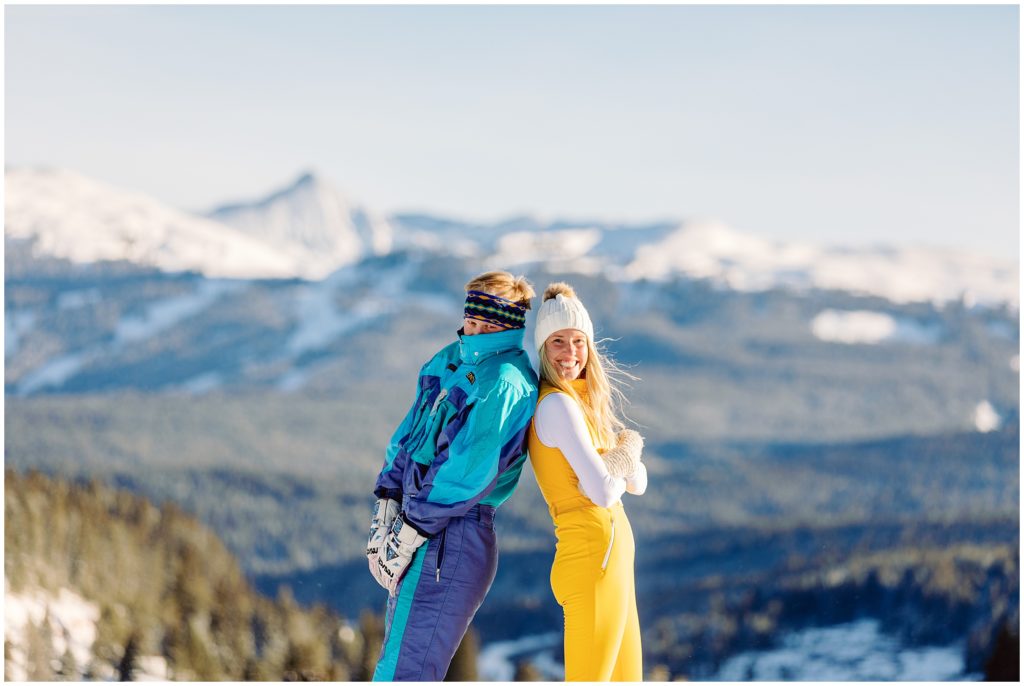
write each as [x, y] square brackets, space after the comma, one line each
[848, 125]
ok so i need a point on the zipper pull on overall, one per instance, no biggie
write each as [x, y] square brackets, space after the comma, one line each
[440, 555]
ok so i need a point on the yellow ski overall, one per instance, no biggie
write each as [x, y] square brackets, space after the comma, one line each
[592, 575]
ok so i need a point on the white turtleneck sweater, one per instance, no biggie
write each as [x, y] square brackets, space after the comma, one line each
[559, 423]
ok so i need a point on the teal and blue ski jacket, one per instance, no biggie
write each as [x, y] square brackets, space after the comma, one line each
[463, 441]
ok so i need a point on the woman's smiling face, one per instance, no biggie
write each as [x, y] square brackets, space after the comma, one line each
[566, 350]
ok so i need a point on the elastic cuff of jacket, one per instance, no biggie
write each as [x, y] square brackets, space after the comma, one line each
[392, 493]
[420, 531]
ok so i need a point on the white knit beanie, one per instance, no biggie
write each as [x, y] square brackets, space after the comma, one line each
[561, 312]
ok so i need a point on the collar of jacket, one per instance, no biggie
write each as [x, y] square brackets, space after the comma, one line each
[476, 349]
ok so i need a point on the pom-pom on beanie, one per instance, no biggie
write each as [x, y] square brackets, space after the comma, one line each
[561, 309]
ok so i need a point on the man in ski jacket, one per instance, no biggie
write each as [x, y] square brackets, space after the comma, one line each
[452, 461]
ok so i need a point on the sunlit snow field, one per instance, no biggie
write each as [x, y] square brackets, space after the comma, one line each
[856, 651]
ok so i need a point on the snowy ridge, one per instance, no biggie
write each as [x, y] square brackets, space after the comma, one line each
[564, 250]
[72, 217]
[744, 262]
[159, 316]
[309, 230]
[312, 223]
[704, 249]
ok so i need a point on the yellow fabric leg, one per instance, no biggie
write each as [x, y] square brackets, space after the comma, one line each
[629, 663]
[602, 632]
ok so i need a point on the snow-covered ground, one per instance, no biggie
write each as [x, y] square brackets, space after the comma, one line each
[203, 383]
[165, 314]
[857, 651]
[870, 328]
[16, 325]
[324, 312]
[72, 300]
[320, 320]
[986, 418]
[71, 621]
[497, 661]
[158, 317]
[72, 625]
[53, 372]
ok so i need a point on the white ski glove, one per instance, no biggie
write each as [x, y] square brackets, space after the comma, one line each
[623, 460]
[384, 512]
[396, 553]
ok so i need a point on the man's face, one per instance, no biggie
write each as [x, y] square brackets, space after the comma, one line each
[471, 327]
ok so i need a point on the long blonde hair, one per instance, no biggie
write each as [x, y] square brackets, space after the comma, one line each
[604, 398]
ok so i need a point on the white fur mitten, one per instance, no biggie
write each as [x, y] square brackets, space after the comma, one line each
[622, 460]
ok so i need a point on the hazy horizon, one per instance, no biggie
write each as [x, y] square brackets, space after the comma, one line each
[830, 124]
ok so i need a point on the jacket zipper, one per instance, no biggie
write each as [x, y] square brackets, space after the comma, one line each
[440, 553]
[416, 439]
[608, 553]
[437, 401]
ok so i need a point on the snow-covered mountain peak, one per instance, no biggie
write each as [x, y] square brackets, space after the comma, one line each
[313, 221]
[307, 178]
[66, 215]
[306, 182]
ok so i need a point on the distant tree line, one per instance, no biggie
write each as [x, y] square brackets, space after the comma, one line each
[166, 586]
[926, 596]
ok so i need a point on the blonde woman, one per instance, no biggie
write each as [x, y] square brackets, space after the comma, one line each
[585, 459]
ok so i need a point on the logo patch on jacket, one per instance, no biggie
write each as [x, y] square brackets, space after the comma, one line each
[472, 377]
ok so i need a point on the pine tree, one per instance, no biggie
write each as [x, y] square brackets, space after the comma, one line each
[1004, 662]
[68, 664]
[126, 668]
[525, 671]
[40, 653]
[252, 670]
[463, 666]
[165, 585]
[372, 626]
[8, 657]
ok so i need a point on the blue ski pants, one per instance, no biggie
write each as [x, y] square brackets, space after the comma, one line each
[444, 586]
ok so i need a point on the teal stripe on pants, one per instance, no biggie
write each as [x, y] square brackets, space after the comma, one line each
[389, 656]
